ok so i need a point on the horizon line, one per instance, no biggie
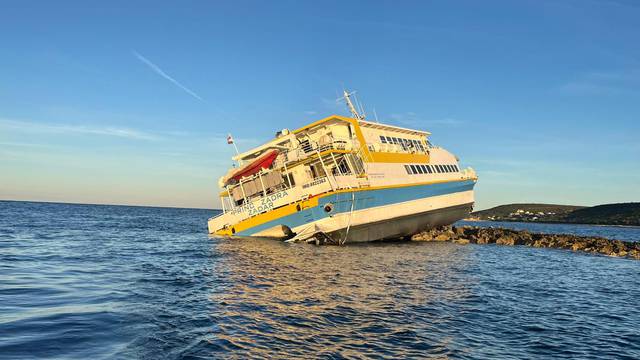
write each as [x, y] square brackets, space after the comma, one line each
[106, 204]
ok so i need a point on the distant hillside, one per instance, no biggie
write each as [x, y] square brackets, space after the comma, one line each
[610, 214]
[516, 212]
[613, 214]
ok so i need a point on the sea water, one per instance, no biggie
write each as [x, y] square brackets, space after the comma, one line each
[92, 282]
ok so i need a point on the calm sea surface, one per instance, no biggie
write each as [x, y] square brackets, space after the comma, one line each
[90, 282]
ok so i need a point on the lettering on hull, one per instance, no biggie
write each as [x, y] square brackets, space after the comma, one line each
[257, 207]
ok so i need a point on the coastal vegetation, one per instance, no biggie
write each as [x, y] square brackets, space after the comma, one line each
[609, 214]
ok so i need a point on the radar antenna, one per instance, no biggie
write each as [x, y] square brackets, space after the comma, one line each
[354, 111]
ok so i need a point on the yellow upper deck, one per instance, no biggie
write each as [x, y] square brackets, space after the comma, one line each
[365, 132]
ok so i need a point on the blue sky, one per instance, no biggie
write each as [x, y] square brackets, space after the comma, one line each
[129, 102]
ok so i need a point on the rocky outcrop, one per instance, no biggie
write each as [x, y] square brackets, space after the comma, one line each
[477, 235]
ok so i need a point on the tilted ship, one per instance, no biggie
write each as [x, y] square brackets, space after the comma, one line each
[342, 180]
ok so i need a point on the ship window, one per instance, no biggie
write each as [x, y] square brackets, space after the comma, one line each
[291, 180]
[453, 168]
[429, 169]
[438, 168]
[420, 170]
[413, 169]
[424, 168]
[456, 167]
[306, 146]
[388, 140]
[448, 168]
[384, 141]
[406, 167]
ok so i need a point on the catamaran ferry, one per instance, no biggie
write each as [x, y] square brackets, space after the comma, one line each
[343, 179]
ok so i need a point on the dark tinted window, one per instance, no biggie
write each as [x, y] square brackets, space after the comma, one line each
[406, 167]
[420, 170]
[413, 169]
[383, 139]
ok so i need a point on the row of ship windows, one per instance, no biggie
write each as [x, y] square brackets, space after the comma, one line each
[403, 142]
[430, 169]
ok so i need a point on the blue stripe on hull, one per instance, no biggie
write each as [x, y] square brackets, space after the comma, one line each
[363, 200]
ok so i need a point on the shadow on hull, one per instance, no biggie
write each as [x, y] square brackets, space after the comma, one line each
[401, 227]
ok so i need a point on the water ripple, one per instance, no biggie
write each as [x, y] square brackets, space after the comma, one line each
[82, 281]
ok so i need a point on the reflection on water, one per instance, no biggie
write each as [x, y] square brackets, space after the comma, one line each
[86, 282]
[339, 299]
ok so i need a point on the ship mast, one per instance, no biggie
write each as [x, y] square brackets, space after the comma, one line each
[350, 105]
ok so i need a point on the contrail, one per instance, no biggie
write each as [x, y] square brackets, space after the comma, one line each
[160, 72]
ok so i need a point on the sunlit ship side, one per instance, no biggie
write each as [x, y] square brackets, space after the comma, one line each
[343, 179]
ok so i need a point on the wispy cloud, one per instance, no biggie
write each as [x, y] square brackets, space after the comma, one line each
[77, 129]
[161, 72]
[332, 104]
[604, 83]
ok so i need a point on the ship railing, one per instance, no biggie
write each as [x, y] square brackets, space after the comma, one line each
[283, 196]
[288, 195]
[469, 173]
[312, 148]
[398, 148]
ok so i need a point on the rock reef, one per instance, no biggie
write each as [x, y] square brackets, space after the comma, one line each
[477, 235]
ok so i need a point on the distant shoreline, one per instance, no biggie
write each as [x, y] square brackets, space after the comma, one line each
[92, 204]
[549, 223]
[618, 214]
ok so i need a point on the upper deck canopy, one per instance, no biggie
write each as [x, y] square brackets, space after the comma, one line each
[397, 129]
[280, 142]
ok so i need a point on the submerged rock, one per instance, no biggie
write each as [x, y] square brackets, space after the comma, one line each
[476, 235]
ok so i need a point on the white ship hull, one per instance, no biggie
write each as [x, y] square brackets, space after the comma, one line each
[343, 180]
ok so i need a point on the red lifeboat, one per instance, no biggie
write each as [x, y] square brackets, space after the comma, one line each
[263, 161]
